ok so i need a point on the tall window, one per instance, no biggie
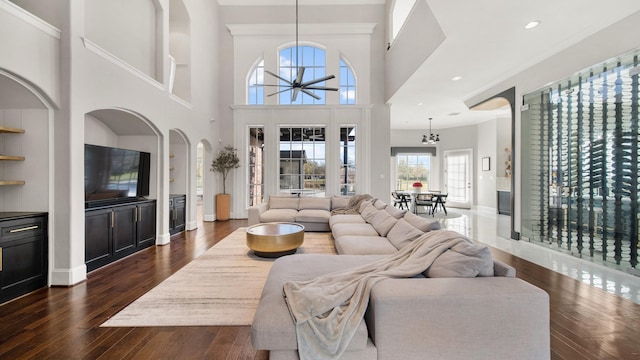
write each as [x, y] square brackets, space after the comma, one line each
[313, 60]
[347, 85]
[347, 179]
[256, 91]
[302, 160]
[412, 168]
[400, 13]
[256, 165]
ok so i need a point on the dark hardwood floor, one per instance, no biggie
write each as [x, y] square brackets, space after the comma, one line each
[63, 323]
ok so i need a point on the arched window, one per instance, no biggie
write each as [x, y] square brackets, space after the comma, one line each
[256, 92]
[313, 59]
[399, 14]
[347, 84]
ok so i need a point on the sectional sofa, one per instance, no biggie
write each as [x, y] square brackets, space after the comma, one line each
[456, 313]
[312, 212]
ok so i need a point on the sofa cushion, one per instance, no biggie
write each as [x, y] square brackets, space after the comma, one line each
[339, 202]
[394, 211]
[343, 229]
[364, 245]
[382, 221]
[420, 222]
[402, 233]
[279, 215]
[283, 202]
[477, 262]
[345, 218]
[313, 216]
[314, 203]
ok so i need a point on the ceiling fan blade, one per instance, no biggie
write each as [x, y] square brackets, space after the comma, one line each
[279, 77]
[281, 91]
[310, 94]
[329, 77]
[320, 88]
[298, 79]
[294, 96]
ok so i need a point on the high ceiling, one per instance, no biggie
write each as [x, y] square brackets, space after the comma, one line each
[485, 44]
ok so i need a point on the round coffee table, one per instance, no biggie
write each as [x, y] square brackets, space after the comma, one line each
[275, 239]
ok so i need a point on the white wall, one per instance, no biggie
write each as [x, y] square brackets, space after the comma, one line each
[126, 29]
[487, 135]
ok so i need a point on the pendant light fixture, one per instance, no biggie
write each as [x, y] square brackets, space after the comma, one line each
[432, 139]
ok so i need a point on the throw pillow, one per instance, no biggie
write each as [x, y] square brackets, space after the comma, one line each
[283, 202]
[462, 260]
[315, 203]
[383, 222]
[368, 211]
[394, 211]
[379, 204]
[339, 202]
[363, 205]
[402, 233]
[421, 223]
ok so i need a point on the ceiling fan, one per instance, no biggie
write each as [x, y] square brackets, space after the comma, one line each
[297, 85]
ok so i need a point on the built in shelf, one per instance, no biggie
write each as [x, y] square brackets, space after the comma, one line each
[8, 130]
[11, 157]
[11, 182]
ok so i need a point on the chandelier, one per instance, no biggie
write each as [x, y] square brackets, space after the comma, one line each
[431, 139]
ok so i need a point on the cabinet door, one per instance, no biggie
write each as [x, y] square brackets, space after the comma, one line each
[146, 224]
[98, 226]
[124, 230]
[180, 210]
[24, 257]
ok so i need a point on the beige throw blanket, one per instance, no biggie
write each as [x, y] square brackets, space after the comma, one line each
[353, 206]
[327, 310]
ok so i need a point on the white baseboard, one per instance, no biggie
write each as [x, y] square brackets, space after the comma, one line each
[192, 225]
[68, 277]
[486, 209]
[209, 218]
[163, 239]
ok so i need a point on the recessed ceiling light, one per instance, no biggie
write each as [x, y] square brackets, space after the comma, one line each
[456, 78]
[530, 25]
[419, 104]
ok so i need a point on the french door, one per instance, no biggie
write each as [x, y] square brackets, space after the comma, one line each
[457, 177]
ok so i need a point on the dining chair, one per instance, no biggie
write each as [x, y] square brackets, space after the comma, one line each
[425, 200]
[400, 200]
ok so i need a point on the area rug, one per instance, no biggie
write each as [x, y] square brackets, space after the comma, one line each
[221, 287]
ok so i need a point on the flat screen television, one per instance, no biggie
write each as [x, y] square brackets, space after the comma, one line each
[114, 173]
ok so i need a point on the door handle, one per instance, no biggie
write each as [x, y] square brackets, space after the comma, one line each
[24, 229]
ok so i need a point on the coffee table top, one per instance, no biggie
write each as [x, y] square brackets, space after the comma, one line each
[270, 229]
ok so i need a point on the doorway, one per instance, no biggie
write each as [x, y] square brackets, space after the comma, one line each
[457, 178]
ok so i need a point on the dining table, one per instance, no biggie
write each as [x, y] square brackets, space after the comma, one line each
[438, 200]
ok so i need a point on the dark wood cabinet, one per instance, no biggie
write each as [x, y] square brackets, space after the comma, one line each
[23, 253]
[177, 213]
[117, 230]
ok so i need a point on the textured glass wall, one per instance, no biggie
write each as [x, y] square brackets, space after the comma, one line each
[580, 164]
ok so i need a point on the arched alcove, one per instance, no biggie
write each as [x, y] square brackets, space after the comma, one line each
[180, 50]
[26, 185]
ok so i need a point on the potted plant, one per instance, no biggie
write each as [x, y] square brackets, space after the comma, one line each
[226, 161]
[417, 186]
